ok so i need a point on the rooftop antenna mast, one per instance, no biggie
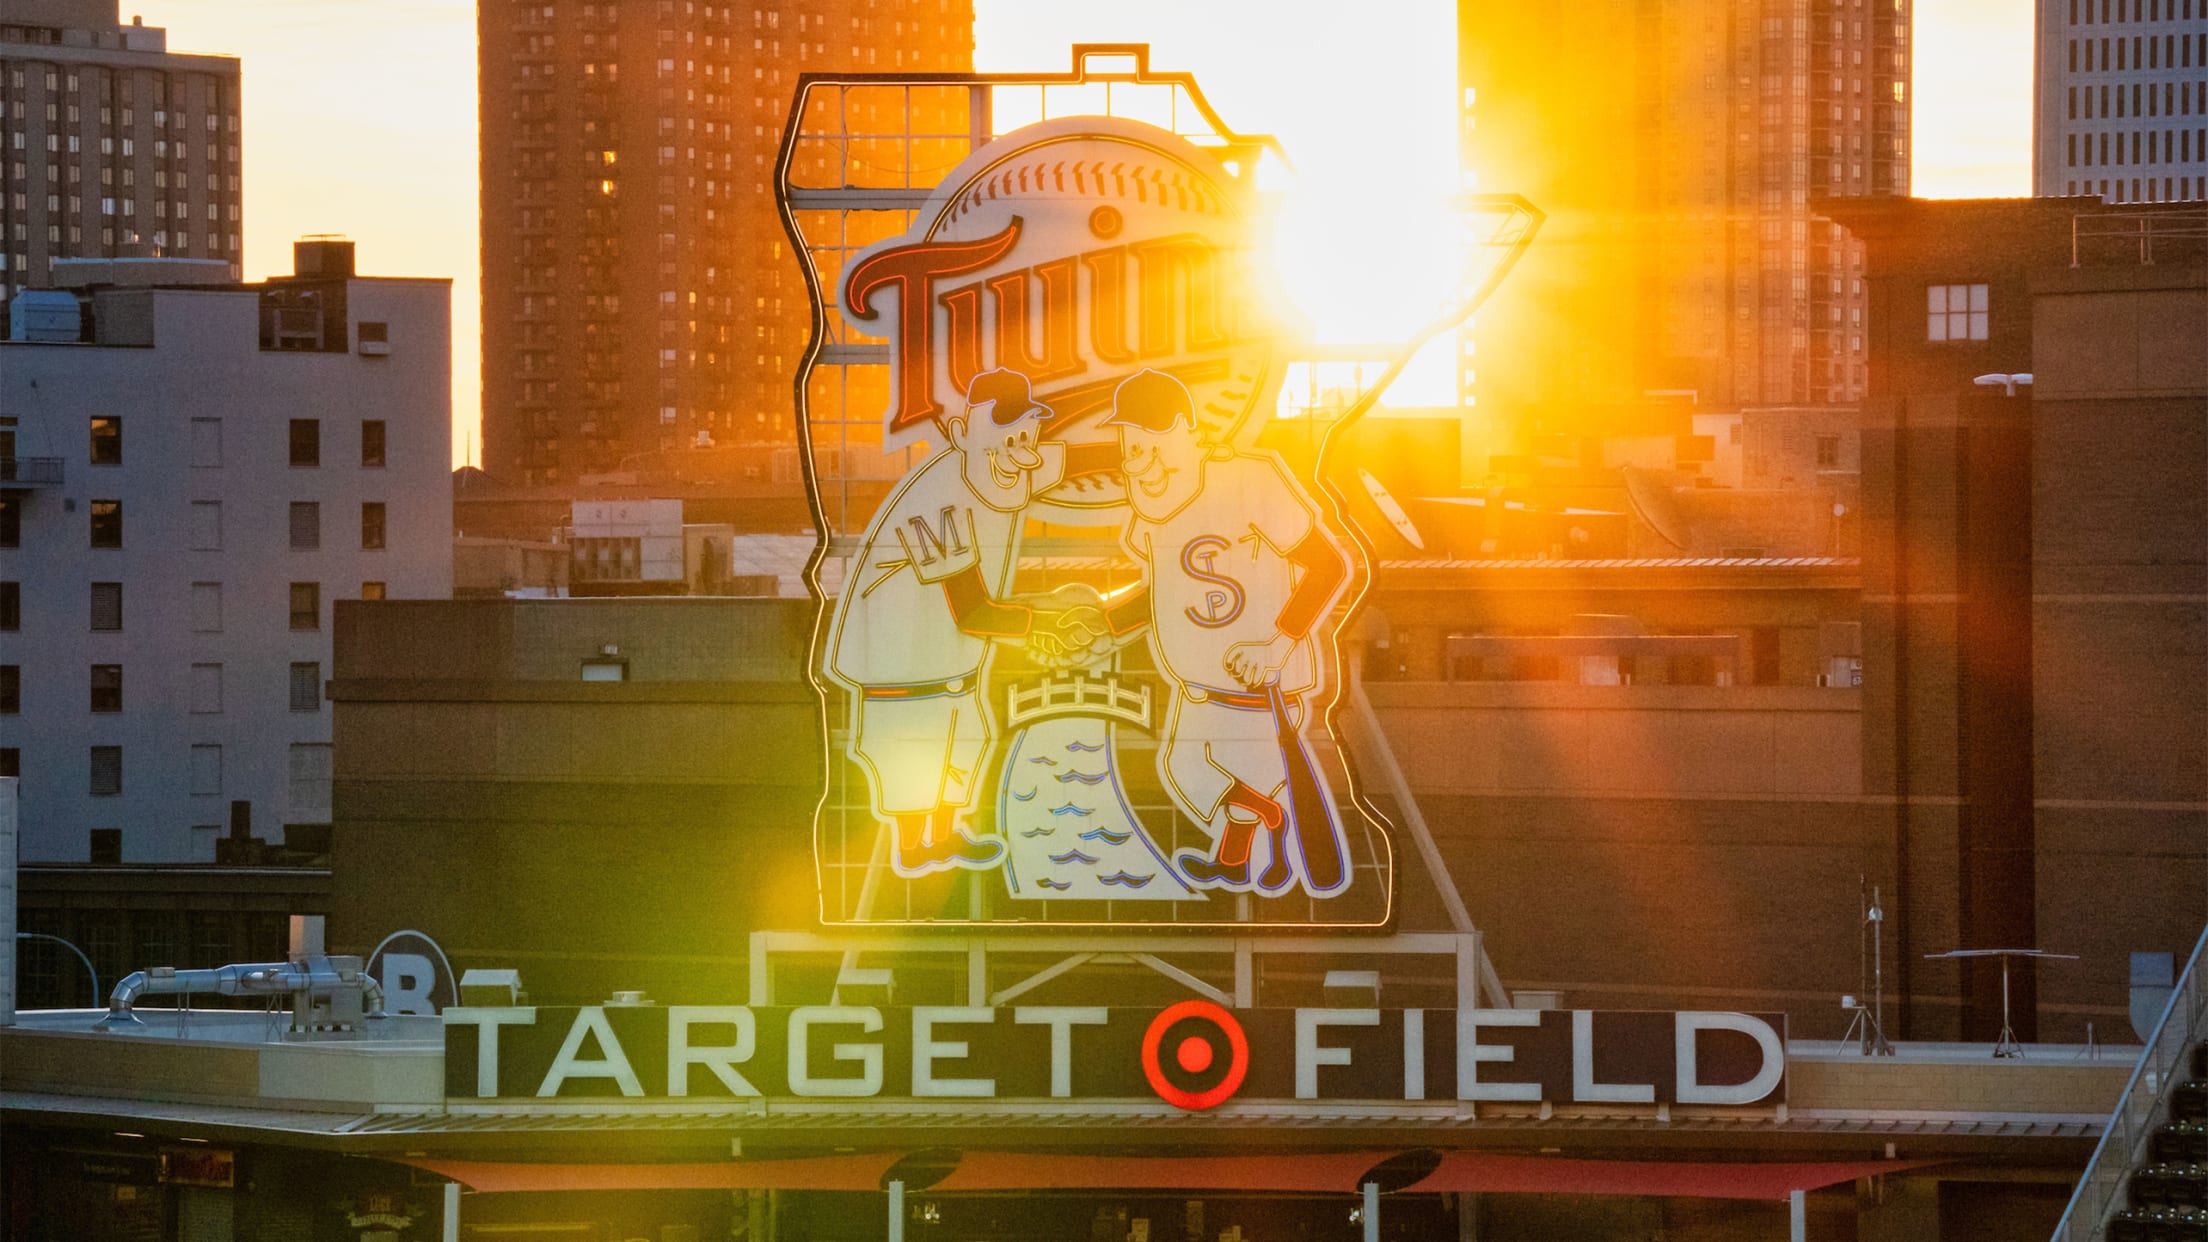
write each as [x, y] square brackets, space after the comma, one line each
[1869, 1026]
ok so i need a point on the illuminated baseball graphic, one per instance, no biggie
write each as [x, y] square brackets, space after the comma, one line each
[1078, 646]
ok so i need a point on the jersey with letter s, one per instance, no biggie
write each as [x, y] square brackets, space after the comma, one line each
[1219, 573]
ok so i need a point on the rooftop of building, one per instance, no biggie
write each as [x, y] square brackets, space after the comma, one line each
[108, 302]
[90, 30]
[233, 1075]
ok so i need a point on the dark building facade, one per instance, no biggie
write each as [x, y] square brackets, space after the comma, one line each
[640, 304]
[2035, 747]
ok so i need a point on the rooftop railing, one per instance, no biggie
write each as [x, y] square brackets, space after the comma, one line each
[2143, 1106]
[2181, 232]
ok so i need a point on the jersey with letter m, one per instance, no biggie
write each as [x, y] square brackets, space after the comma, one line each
[894, 625]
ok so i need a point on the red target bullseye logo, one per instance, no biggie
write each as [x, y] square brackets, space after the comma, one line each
[1194, 1054]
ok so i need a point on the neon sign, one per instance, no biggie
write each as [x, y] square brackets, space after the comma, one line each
[1078, 649]
[1193, 1055]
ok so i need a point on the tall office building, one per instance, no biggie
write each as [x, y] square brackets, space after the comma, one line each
[1678, 148]
[640, 301]
[2120, 100]
[110, 144]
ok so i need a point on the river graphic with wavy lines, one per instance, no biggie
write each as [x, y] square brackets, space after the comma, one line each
[1067, 823]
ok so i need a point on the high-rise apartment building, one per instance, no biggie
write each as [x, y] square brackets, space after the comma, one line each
[1678, 148]
[110, 144]
[640, 302]
[2120, 100]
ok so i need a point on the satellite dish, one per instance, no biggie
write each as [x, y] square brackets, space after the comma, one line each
[1657, 505]
[1391, 510]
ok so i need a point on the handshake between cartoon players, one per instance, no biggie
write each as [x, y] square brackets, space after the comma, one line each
[1237, 571]
[1074, 629]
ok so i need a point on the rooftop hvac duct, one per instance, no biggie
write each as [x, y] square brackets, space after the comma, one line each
[327, 993]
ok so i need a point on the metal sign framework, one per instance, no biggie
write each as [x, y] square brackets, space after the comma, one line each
[862, 156]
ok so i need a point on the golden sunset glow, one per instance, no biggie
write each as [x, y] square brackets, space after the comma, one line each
[361, 120]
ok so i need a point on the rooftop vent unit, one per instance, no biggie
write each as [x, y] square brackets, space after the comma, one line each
[322, 254]
[50, 315]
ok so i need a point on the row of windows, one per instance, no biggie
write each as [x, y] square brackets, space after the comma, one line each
[306, 441]
[161, 117]
[309, 772]
[2103, 12]
[106, 606]
[178, 244]
[74, 145]
[105, 521]
[2171, 190]
[2174, 99]
[2139, 52]
[306, 525]
[2154, 146]
[105, 443]
[106, 609]
[106, 682]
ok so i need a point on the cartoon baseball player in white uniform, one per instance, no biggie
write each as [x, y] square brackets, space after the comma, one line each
[1239, 569]
[921, 605]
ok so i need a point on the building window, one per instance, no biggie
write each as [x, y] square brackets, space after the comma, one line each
[11, 762]
[306, 686]
[1828, 452]
[310, 783]
[1955, 313]
[207, 689]
[206, 526]
[105, 845]
[107, 523]
[11, 689]
[11, 522]
[306, 525]
[11, 606]
[107, 606]
[107, 688]
[371, 524]
[306, 605]
[371, 442]
[107, 440]
[107, 771]
[206, 608]
[371, 590]
[207, 443]
[306, 442]
[206, 769]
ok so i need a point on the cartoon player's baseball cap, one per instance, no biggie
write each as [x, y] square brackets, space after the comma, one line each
[1007, 392]
[1151, 400]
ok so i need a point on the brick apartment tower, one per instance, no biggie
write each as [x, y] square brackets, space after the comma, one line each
[1677, 146]
[110, 144]
[639, 295]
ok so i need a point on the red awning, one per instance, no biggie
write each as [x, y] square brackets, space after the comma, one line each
[998, 1170]
[1504, 1174]
[854, 1172]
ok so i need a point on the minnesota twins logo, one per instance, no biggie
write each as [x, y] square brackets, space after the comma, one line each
[1080, 660]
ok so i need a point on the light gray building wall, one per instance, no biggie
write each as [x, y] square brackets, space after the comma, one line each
[2120, 100]
[222, 511]
[110, 144]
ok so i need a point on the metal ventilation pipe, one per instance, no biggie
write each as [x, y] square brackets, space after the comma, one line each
[332, 989]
